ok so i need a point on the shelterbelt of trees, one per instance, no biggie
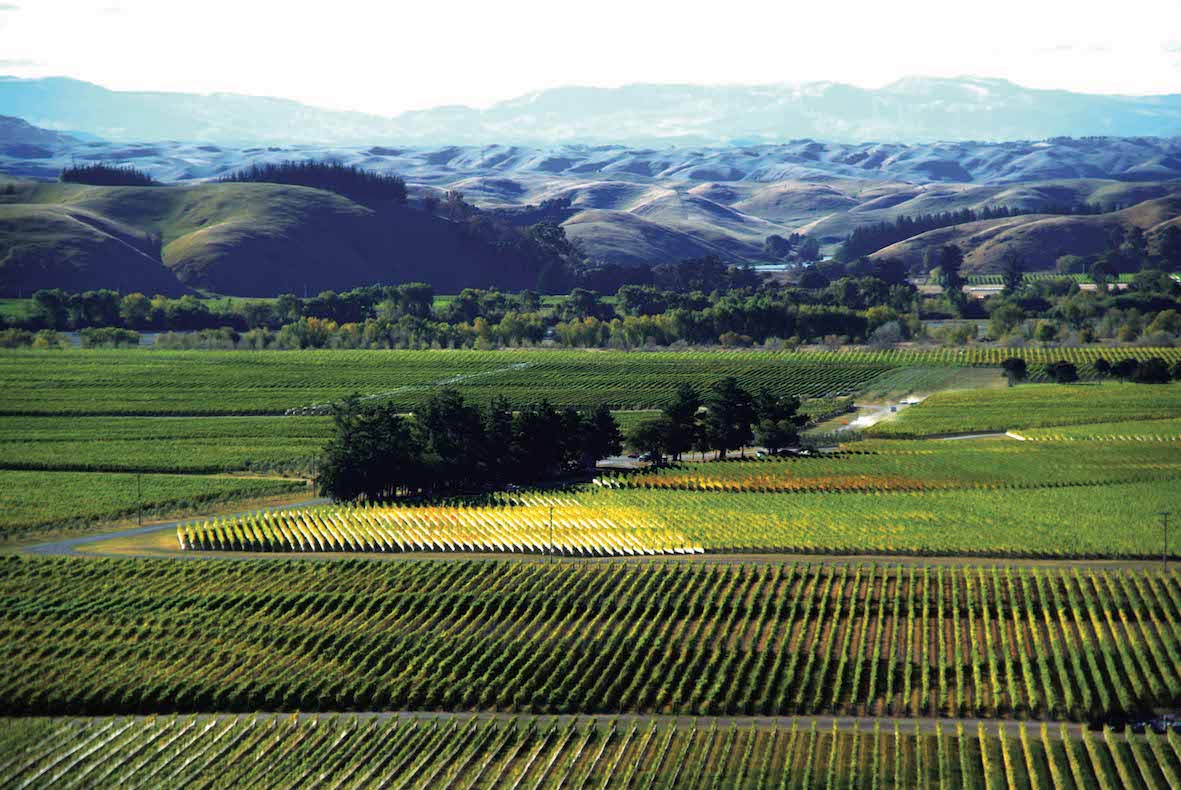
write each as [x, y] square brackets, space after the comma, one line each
[452, 446]
[860, 302]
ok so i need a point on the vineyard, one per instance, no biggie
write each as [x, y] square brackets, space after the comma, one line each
[162, 444]
[1129, 431]
[1032, 406]
[736, 507]
[1113, 520]
[998, 279]
[356, 752]
[149, 382]
[881, 466]
[140, 636]
[32, 500]
[524, 527]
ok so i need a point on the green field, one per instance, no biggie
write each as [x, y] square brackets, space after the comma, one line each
[1094, 521]
[880, 466]
[1032, 406]
[1166, 430]
[141, 636]
[32, 500]
[350, 751]
[162, 444]
[151, 382]
[468, 671]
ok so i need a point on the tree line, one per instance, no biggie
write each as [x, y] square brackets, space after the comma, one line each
[106, 175]
[453, 447]
[364, 186]
[724, 418]
[1153, 370]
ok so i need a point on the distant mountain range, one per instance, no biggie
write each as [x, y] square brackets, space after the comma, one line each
[910, 110]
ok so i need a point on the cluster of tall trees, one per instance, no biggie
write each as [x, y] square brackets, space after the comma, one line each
[105, 175]
[795, 247]
[1153, 370]
[365, 186]
[1127, 250]
[726, 417]
[452, 446]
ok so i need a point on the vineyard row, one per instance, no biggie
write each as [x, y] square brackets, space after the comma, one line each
[352, 752]
[699, 639]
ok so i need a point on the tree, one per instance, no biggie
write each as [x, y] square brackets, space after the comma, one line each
[647, 437]
[1045, 331]
[1102, 367]
[1175, 373]
[454, 434]
[778, 419]
[776, 247]
[1015, 369]
[731, 412]
[813, 280]
[51, 308]
[1169, 248]
[681, 425]
[930, 259]
[135, 310]
[1062, 372]
[809, 250]
[1012, 272]
[951, 260]
[1153, 370]
[500, 445]
[1005, 317]
[603, 438]
[1101, 272]
[374, 454]
[1126, 368]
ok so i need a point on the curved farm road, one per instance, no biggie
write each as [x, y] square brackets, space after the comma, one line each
[68, 546]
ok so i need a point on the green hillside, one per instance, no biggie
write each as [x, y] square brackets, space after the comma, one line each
[242, 239]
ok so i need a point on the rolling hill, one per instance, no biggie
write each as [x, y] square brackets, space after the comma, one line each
[1038, 238]
[619, 204]
[242, 239]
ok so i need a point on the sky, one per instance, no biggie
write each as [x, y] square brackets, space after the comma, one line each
[388, 56]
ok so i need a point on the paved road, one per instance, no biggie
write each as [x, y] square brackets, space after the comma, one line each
[72, 545]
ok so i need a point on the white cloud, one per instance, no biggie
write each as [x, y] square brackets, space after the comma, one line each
[388, 57]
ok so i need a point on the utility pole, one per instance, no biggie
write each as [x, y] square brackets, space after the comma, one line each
[1164, 557]
[139, 499]
[551, 533]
